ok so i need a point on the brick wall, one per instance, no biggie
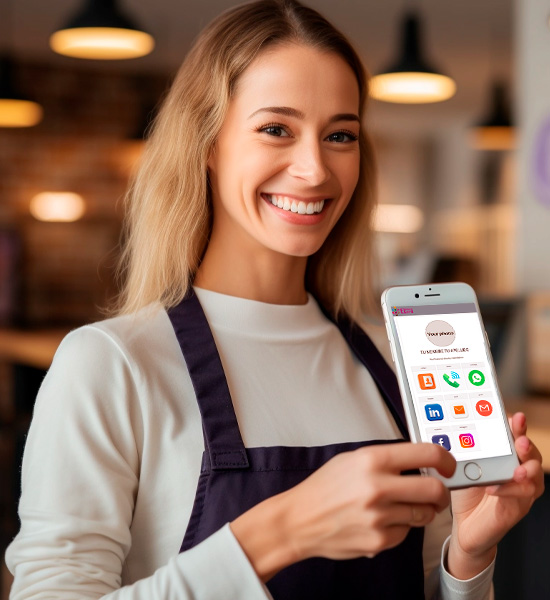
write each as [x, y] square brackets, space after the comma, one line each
[84, 144]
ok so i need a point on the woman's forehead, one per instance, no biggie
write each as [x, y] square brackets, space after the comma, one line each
[298, 76]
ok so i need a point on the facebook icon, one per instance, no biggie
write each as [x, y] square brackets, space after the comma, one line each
[434, 412]
[442, 440]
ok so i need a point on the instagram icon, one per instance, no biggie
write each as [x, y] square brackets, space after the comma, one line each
[466, 440]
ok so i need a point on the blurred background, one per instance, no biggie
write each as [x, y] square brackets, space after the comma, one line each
[464, 189]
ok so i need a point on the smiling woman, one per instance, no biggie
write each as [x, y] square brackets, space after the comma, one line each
[232, 432]
[281, 176]
[239, 64]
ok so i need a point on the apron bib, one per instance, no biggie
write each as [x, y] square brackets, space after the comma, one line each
[234, 478]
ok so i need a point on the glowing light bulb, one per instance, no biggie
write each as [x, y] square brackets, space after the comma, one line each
[57, 206]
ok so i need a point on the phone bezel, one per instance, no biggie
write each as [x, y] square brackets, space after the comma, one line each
[496, 469]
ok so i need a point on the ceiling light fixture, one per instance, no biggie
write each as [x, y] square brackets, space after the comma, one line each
[16, 110]
[496, 130]
[101, 31]
[411, 79]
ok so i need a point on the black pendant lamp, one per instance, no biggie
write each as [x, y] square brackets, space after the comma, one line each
[100, 30]
[496, 131]
[411, 79]
[16, 110]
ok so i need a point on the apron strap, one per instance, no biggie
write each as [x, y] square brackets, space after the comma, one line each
[223, 439]
[383, 376]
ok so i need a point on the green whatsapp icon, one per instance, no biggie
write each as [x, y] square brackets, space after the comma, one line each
[476, 377]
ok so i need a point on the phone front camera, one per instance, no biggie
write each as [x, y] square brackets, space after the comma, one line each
[416, 296]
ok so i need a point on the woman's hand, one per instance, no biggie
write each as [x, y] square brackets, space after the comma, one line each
[357, 504]
[483, 515]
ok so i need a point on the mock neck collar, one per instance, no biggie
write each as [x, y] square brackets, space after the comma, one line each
[259, 319]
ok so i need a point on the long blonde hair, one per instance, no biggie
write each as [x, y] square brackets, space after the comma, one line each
[169, 209]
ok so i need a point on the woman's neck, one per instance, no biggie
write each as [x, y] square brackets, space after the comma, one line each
[265, 276]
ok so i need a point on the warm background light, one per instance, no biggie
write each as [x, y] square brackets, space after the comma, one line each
[57, 206]
[19, 113]
[412, 88]
[102, 43]
[493, 138]
[398, 218]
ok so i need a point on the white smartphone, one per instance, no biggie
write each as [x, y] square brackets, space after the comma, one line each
[447, 380]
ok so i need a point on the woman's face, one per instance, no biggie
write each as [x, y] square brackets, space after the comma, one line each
[286, 161]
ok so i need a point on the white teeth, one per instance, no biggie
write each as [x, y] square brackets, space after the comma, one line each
[296, 206]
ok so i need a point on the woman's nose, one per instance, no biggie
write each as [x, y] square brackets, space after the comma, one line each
[309, 163]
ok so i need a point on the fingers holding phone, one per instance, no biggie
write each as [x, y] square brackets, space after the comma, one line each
[359, 504]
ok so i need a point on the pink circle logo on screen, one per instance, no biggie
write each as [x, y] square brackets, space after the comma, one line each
[440, 333]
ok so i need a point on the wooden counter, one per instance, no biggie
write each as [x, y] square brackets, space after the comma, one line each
[31, 348]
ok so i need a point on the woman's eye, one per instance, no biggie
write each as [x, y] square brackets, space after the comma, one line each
[342, 137]
[275, 130]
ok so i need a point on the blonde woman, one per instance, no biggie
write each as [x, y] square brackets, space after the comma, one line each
[232, 433]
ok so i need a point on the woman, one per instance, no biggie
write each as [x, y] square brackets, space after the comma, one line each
[253, 201]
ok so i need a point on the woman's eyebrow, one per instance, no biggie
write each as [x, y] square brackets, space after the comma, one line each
[286, 111]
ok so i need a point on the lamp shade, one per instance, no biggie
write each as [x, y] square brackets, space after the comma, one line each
[101, 31]
[411, 79]
[495, 131]
[15, 109]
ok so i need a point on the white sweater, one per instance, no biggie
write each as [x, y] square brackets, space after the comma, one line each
[114, 450]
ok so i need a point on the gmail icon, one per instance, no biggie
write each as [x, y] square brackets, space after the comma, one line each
[459, 411]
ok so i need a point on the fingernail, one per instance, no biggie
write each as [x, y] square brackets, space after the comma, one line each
[417, 515]
[520, 474]
[524, 443]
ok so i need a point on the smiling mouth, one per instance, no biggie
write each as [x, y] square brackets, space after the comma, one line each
[295, 206]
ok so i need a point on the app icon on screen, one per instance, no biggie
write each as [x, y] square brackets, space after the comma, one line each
[434, 412]
[459, 411]
[484, 408]
[452, 378]
[476, 377]
[426, 381]
[442, 440]
[466, 440]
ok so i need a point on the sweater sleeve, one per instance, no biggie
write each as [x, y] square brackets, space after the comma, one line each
[80, 478]
[439, 583]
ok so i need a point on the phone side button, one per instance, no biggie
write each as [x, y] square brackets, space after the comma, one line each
[472, 471]
[392, 352]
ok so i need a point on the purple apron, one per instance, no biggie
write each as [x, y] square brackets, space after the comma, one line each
[234, 478]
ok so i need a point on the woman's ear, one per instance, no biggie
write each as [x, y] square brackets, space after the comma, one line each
[211, 159]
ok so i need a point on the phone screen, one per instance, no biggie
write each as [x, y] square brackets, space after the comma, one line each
[449, 373]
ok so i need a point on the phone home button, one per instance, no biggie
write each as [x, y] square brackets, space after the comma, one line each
[472, 471]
